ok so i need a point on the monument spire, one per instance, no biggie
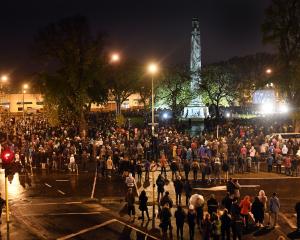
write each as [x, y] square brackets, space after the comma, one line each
[194, 109]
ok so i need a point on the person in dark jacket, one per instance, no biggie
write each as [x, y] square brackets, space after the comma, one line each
[187, 169]
[207, 227]
[188, 191]
[227, 202]
[225, 225]
[174, 168]
[166, 199]
[257, 210]
[212, 205]
[230, 187]
[143, 205]
[180, 217]
[236, 220]
[138, 169]
[178, 184]
[191, 217]
[160, 183]
[297, 208]
[165, 220]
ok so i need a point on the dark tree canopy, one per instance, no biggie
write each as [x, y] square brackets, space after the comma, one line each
[72, 66]
[217, 87]
[281, 28]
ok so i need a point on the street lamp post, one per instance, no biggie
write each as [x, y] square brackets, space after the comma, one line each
[24, 87]
[114, 60]
[152, 68]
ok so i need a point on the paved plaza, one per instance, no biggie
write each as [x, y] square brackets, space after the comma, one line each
[57, 206]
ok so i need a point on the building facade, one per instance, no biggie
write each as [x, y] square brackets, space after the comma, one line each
[34, 102]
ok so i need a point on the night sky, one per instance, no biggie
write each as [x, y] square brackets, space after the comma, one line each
[139, 29]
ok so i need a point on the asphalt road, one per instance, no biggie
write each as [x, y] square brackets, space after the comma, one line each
[56, 206]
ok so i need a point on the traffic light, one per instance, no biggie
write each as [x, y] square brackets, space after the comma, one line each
[7, 157]
[8, 164]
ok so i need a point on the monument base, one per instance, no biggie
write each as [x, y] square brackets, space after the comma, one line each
[195, 111]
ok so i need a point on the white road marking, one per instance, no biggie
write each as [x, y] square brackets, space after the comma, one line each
[61, 192]
[102, 225]
[87, 230]
[138, 230]
[63, 214]
[62, 180]
[292, 225]
[223, 188]
[49, 203]
[48, 185]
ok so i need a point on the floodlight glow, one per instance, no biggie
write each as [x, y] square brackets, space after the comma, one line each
[267, 108]
[227, 114]
[165, 116]
[283, 108]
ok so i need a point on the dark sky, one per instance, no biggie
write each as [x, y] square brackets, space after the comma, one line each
[156, 29]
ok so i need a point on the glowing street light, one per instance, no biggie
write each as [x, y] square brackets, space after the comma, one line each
[115, 57]
[152, 68]
[269, 71]
[4, 78]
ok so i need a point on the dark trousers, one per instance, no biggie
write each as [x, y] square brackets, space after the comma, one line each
[278, 170]
[178, 198]
[195, 175]
[236, 230]
[225, 232]
[186, 175]
[192, 231]
[147, 213]
[269, 168]
[180, 231]
[187, 199]
[199, 217]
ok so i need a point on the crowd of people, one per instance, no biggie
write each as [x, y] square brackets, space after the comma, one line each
[227, 219]
[211, 157]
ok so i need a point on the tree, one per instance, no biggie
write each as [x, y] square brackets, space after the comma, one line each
[249, 73]
[123, 81]
[174, 90]
[281, 28]
[72, 63]
[217, 87]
